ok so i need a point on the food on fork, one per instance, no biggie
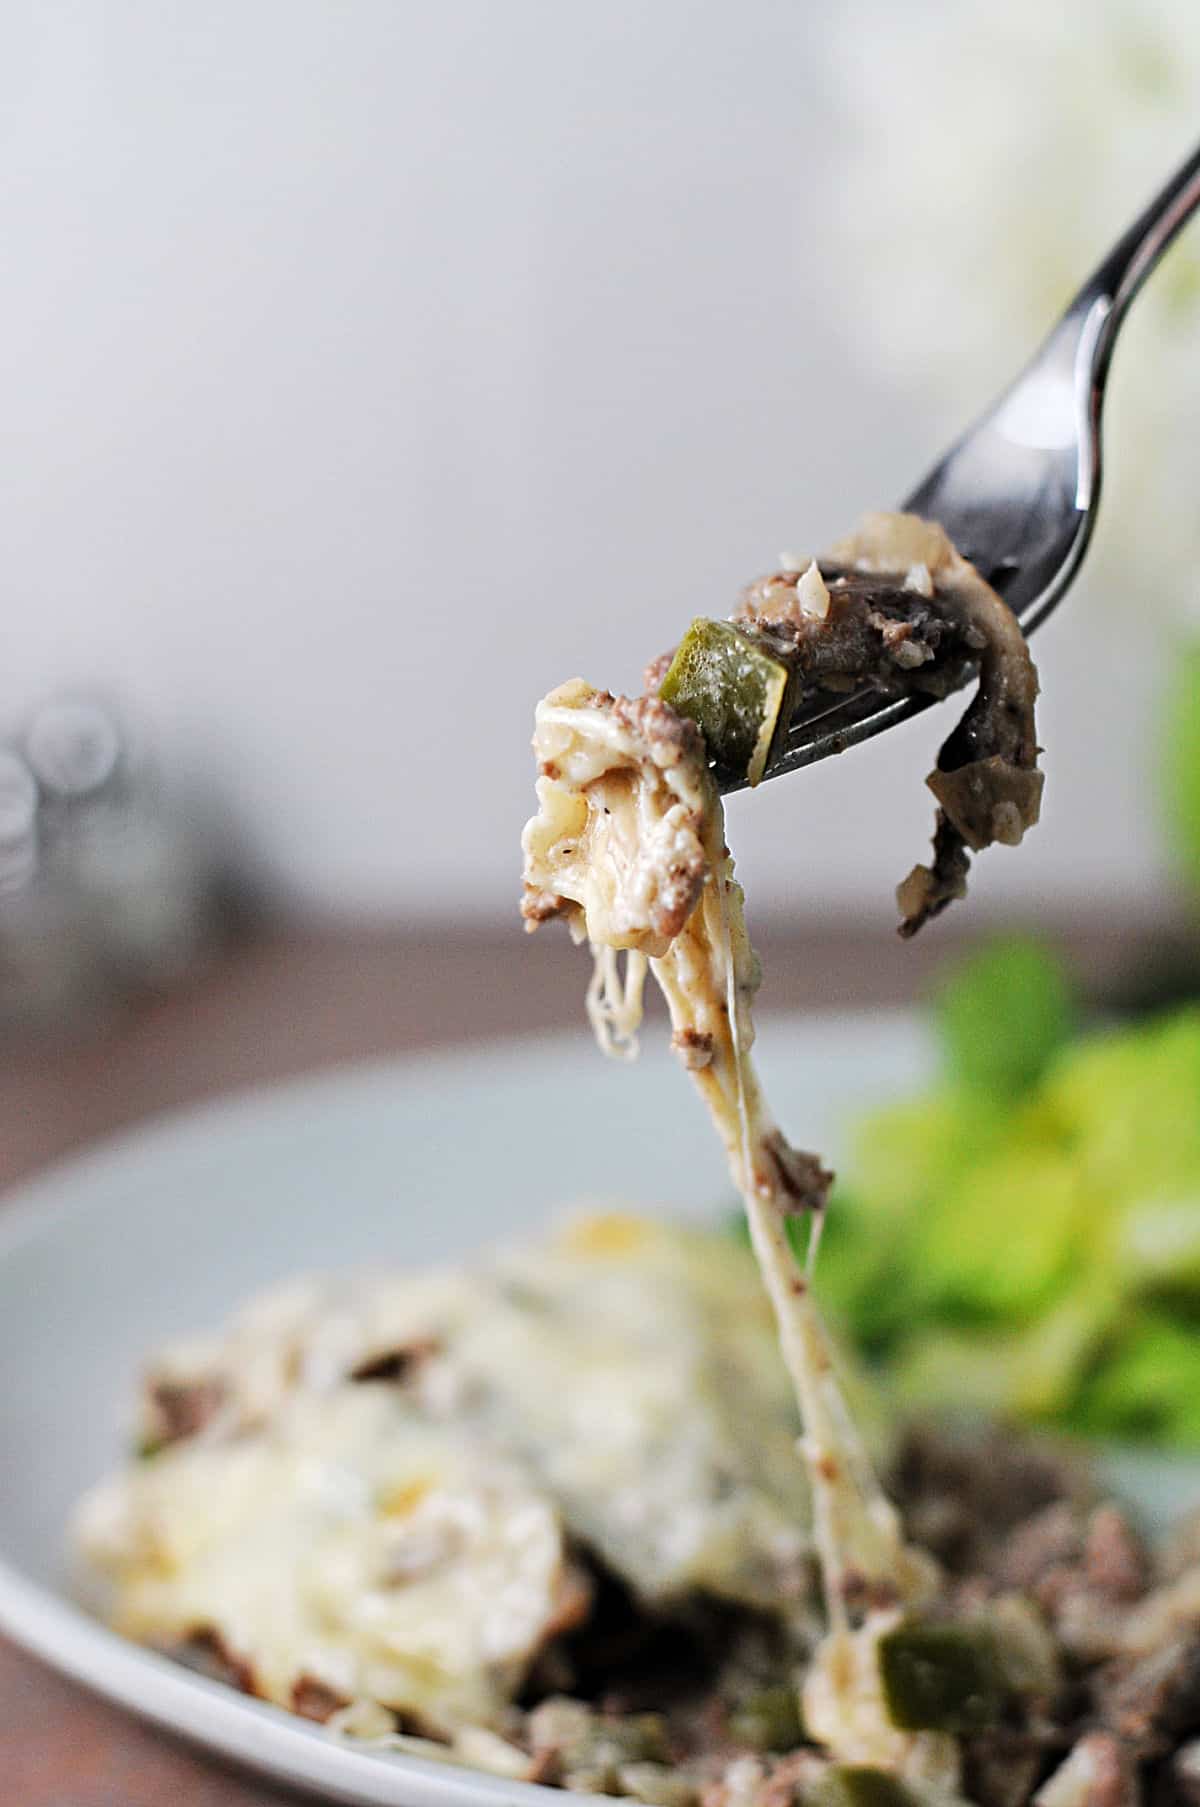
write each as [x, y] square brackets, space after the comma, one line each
[893, 606]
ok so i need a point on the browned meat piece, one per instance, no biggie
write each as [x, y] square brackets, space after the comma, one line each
[1156, 1702]
[986, 782]
[395, 1364]
[1115, 1560]
[669, 737]
[964, 1497]
[694, 1048]
[1130, 1683]
[877, 631]
[929, 889]
[804, 1181]
[1044, 1556]
[1081, 1572]
[312, 1699]
[208, 1654]
[178, 1409]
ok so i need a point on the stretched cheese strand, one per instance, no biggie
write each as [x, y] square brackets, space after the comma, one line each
[709, 976]
[614, 1001]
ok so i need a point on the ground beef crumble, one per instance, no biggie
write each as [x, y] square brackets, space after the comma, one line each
[1024, 1542]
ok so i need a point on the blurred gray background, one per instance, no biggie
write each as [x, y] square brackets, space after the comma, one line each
[368, 367]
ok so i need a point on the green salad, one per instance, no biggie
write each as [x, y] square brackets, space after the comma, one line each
[1024, 1237]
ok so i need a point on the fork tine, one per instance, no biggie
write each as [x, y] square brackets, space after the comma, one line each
[841, 724]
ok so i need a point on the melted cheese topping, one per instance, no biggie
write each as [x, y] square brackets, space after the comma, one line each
[352, 1543]
[404, 1542]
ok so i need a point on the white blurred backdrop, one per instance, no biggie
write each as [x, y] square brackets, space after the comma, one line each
[366, 367]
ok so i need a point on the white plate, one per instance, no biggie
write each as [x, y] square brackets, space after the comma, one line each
[166, 1229]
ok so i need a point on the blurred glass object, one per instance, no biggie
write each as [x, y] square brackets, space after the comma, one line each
[109, 886]
[18, 823]
[73, 748]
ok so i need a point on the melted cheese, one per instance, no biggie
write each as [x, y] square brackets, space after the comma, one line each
[352, 1542]
[404, 1543]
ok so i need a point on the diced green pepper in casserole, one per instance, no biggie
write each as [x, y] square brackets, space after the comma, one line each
[769, 1719]
[858, 1785]
[941, 1678]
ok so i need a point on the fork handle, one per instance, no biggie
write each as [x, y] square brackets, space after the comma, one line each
[1110, 289]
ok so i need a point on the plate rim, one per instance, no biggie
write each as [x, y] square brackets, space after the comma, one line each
[27, 1204]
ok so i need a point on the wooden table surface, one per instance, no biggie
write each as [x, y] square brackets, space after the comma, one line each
[288, 1002]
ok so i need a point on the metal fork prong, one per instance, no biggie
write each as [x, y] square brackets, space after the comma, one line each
[851, 720]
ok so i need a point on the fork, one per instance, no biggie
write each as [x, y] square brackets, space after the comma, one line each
[1019, 491]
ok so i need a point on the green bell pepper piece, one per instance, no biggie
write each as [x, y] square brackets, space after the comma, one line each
[941, 1678]
[769, 1720]
[858, 1785]
[733, 688]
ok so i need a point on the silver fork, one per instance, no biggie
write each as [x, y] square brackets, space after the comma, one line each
[1018, 493]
